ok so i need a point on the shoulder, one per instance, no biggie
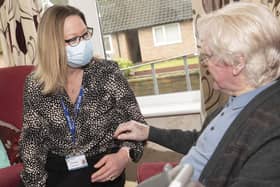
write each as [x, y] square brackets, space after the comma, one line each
[268, 100]
[102, 66]
[32, 86]
[262, 113]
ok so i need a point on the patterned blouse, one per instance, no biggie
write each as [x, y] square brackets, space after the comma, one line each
[107, 102]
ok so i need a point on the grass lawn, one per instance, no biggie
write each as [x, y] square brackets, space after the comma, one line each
[166, 64]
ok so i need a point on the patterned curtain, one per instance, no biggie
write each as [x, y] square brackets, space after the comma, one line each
[18, 25]
[211, 99]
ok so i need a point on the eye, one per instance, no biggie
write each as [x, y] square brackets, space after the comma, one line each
[86, 36]
[203, 57]
[72, 40]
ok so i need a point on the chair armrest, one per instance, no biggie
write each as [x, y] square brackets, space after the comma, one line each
[9, 176]
[148, 169]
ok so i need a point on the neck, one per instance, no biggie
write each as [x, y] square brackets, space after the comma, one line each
[242, 86]
[242, 91]
[74, 82]
[73, 71]
[238, 87]
[73, 75]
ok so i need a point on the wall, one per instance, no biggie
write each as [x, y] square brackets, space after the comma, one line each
[90, 10]
[120, 45]
[150, 52]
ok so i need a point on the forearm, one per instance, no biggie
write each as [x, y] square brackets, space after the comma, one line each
[33, 149]
[175, 139]
[127, 104]
[34, 159]
[32, 179]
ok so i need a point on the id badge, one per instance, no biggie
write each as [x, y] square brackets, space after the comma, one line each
[76, 162]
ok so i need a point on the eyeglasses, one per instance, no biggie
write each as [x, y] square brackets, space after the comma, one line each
[204, 58]
[76, 40]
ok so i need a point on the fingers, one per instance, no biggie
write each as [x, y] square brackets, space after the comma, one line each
[132, 130]
[122, 129]
[103, 173]
[100, 162]
[125, 136]
[110, 167]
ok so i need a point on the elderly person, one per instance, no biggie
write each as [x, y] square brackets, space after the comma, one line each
[239, 143]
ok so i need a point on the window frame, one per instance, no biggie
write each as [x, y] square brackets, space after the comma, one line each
[163, 28]
[111, 51]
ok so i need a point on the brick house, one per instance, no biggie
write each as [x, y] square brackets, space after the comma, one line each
[147, 30]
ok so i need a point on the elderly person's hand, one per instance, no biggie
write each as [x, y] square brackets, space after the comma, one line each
[111, 166]
[132, 130]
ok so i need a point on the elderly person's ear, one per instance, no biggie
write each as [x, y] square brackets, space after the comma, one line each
[239, 65]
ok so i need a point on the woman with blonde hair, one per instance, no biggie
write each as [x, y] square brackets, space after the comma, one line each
[72, 105]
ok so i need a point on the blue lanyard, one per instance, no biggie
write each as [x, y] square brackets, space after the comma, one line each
[71, 122]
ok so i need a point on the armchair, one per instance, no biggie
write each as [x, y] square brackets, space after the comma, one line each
[11, 102]
[177, 176]
[148, 169]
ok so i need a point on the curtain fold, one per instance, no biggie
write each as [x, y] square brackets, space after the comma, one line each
[18, 30]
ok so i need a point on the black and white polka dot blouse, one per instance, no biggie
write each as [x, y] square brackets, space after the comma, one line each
[107, 102]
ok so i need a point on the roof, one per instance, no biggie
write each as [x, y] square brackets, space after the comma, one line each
[121, 15]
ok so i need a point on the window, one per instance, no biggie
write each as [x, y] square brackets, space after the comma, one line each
[108, 46]
[167, 34]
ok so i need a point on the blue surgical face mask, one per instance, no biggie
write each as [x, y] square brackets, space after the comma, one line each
[79, 55]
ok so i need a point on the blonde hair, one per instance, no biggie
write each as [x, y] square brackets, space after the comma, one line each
[51, 70]
[247, 29]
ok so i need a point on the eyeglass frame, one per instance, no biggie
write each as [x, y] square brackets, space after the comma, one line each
[204, 58]
[77, 39]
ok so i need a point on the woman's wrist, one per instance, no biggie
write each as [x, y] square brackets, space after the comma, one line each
[147, 132]
[126, 152]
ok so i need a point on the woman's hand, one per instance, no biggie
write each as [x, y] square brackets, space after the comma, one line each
[111, 166]
[132, 130]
